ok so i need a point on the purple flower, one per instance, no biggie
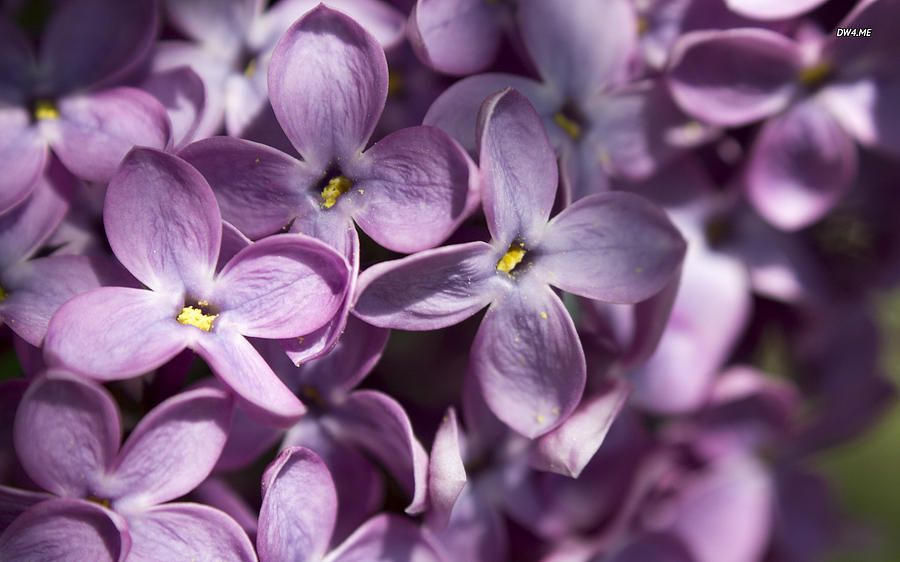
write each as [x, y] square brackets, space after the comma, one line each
[328, 83]
[164, 226]
[67, 435]
[614, 246]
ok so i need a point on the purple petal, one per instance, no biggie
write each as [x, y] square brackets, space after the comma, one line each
[247, 441]
[327, 84]
[428, 290]
[80, 49]
[734, 77]
[567, 449]
[772, 9]
[800, 167]
[28, 225]
[387, 538]
[378, 424]
[652, 546]
[94, 131]
[446, 473]
[218, 494]
[528, 360]
[182, 93]
[14, 502]
[298, 509]
[259, 391]
[116, 332]
[23, 155]
[413, 188]
[188, 531]
[282, 286]
[579, 47]
[379, 18]
[172, 449]
[806, 522]
[163, 222]
[518, 167]
[221, 25]
[615, 247]
[457, 37]
[259, 188]
[67, 434]
[477, 531]
[247, 103]
[66, 529]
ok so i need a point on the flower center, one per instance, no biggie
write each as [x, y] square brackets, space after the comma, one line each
[568, 125]
[99, 501]
[511, 258]
[250, 69]
[335, 187]
[197, 316]
[45, 109]
[3, 294]
[815, 75]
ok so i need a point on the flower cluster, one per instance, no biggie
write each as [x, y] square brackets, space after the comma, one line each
[439, 280]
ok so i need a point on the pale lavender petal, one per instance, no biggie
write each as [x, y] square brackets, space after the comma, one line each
[528, 360]
[163, 222]
[233, 241]
[23, 155]
[413, 188]
[218, 494]
[327, 84]
[247, 441]
[772, 9]
[429, 290]
[24, 228]
[734, 77]
[518, 166]
[650, 319]
[172, 449]
[446, 472]
[387, 538]
[14, 502]
[298, 509]
[800, 167]
[477, 531]
[187, 531]
[247, 101]
[95, 130]
[220, 25]
[582, 46]
[67, 434]
[79, 48]
[260, 189]
[259, 391]
[66, 529]
[456, 37]
[384, 22]
[378, 424]
[615, 247]
[116, 333]
[182, 93]
[567, 449]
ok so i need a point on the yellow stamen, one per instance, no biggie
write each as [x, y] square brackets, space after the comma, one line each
[194, 317]
[3, 294]
[395, 84]
[45, 109]
[100, 501]
[336, 187]
[312, 394]
[815, 74]
[511, 259]
[251, 68]
[571, 128]
[642, 25]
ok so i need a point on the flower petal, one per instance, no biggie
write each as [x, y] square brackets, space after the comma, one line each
[429, 290]
[239, 367]
[615, 247]
[67, 434]
[188, 531]
[528, 360]
[387, 538]
[66, 529]
[162, 221]
[172, 449]
[14, 502]
[413, 188]
[801, 166]
[182, 93]
[327, 84]
[772, 9]
[446, 472]
[221, 25]
[457, 37]
[24, 228]
[114, 333]
[23, 155]
[518, 166]
[652, 546]
[735, 76]
[380, 19]
[298, 509]
[477, 531]
[282, 286]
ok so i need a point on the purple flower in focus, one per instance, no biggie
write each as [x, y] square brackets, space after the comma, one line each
[527, 357]
[164, 226]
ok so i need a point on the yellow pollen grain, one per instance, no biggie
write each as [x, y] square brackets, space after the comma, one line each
[395, 83]
[251, 69]
[571, 128]
[643, 26]
[100, 501]
[256, 161]
[638, 269]
[511, 259]
[3, 294]
[815, 74]
[191, 316]
[336, 187]
[540, 419]
[45, 109]
[544, 315]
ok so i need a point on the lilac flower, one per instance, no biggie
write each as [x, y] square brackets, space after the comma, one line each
[772, 9]
[64, 98]
[526, 355]
[233, 44]
[164, 226]
[327, 84]
[298, 512]
[818, 93]
[67, 436]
